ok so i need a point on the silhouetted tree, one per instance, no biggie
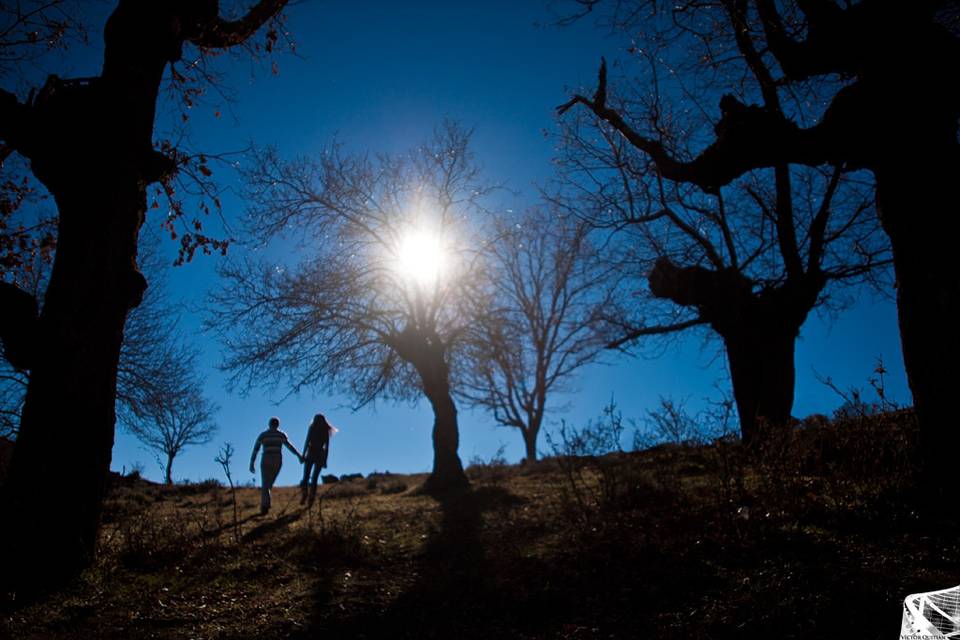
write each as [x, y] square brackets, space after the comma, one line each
[157, 364]
[172, 425]
[542, 318]
[31, 32]
[363, 313]
[752, 280]
[90, 143]
[159, 389]
[750, 261]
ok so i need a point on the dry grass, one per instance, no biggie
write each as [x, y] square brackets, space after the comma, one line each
[820, 535]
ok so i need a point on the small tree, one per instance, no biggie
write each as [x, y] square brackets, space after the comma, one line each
[542, 319]
[159, 390]
[157, 364]
[168, 428]
[224, 458]
[380, 307]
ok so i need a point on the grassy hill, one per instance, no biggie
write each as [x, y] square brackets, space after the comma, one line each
[819, 534]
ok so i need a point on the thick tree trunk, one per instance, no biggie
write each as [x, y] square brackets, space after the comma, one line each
[762, 372]
[168, 476]
[917, 200]
[62, 457]
[759, 331]
[447, 468]
[917, 207]
[530, 434]
[91, 143]
[424, 349]
[530, 443]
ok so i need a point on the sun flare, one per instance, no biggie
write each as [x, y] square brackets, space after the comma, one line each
[421, 257]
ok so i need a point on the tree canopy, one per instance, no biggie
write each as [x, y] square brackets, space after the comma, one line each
[549, 297]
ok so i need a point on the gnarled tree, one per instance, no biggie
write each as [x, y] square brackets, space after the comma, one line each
[879, 68]
[380, 306]
[90, 142]
[750, 259]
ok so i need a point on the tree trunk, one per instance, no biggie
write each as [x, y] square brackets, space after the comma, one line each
[424, 349]
[917, 204]
[62, 457]
[447, 468]
[168, 476]
[530, 440]
[90, 144]
[759, 331]
[762, 373]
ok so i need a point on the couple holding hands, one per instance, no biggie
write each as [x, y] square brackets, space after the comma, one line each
[313, 458]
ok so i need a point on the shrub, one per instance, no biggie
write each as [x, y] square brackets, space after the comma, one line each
[393, 487]
[491, 471]
[598, 478]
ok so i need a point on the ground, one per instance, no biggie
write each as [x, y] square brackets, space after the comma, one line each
[819, 535]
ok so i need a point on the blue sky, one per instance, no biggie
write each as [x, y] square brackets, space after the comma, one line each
[378, 76]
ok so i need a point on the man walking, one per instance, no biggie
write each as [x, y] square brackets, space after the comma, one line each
[272, 440]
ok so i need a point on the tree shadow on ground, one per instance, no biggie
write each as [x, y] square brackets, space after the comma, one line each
[449, 588]
[474, 580]
[477, 579]
[484, 572]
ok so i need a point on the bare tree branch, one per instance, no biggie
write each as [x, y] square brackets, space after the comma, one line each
[362, 314]
[220, 33]
[757, 224]
[540, 320]
[654, 331]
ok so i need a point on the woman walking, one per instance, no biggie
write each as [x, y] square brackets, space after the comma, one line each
[272, 440]
[315, 452]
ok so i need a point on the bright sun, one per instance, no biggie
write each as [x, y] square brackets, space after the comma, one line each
[421, 257]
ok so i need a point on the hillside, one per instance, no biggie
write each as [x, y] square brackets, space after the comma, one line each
[819, 535]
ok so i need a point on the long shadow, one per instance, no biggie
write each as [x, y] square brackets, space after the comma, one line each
[451, 589]
[480, 581]
[227, 526]
[280, 522]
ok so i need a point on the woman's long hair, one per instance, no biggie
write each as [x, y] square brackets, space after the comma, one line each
[320, 421]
